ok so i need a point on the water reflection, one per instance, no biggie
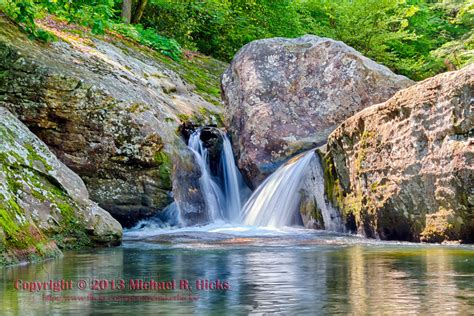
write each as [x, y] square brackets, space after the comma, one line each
[354, 279]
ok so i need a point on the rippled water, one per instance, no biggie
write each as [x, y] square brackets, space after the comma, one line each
[287, 271]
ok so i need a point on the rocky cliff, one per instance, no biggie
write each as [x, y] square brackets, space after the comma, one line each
[110, 110]
[44, 205]
[404, 169]
[283, 96]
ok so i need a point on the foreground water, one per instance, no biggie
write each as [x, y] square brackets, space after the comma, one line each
[287, 271]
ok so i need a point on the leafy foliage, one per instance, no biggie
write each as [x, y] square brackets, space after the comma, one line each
[220, 27]
[150, 38]
[417, 38]
[405, 35]
[98, 15]
[24, 12]
[95, 14]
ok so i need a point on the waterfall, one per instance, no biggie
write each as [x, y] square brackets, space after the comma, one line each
[224, 194]
[276, 201]
[213, 195]
[236, 191]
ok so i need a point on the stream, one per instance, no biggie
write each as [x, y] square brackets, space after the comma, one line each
[250, 259]
[287, 271]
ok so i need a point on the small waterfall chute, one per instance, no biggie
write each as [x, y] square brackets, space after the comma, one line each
[235, 190]
[225, 193]
[211, 191]
[275, 202]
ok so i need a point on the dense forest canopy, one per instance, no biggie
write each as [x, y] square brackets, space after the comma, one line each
[417, 38]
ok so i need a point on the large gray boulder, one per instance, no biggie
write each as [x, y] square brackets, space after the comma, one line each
[404, 169]
[283, 96]
[43, 204]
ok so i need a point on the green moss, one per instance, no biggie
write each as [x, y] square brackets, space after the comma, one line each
[7, 135]
[164, 168]
[374, 186]
[7, 223]
[4, 76]
[184, 117]
[12, 184]
[138, 108]
[71, 233]
[134, 107]
[20, 238]
[202, 117]
[361, 153]
[201, 71]
[332, 186]
[353, 204]
[208, 115]
[441, 226]
[17, 236]
[34, 156]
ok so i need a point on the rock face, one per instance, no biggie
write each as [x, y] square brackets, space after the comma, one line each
[43, 203]
[310, 211]
[187, 190]
[109, 110]
[283, 96]
[404, 169]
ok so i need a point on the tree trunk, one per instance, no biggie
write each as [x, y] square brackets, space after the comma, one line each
[139, 11]
[126, 11]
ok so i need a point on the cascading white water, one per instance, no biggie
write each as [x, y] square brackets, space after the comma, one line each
[226, 203]
[275, 202]
[213, 195]
[236, 192]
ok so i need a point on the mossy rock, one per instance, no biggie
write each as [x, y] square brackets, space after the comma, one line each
[44, 205]
[440, 226]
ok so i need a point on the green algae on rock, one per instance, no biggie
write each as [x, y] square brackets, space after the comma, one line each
[44, 206]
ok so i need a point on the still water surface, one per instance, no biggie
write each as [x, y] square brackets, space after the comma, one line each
[293, 272]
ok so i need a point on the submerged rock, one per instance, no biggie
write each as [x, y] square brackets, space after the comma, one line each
[283, 96]
[109, 110]
[43, 204]
[404, 169]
